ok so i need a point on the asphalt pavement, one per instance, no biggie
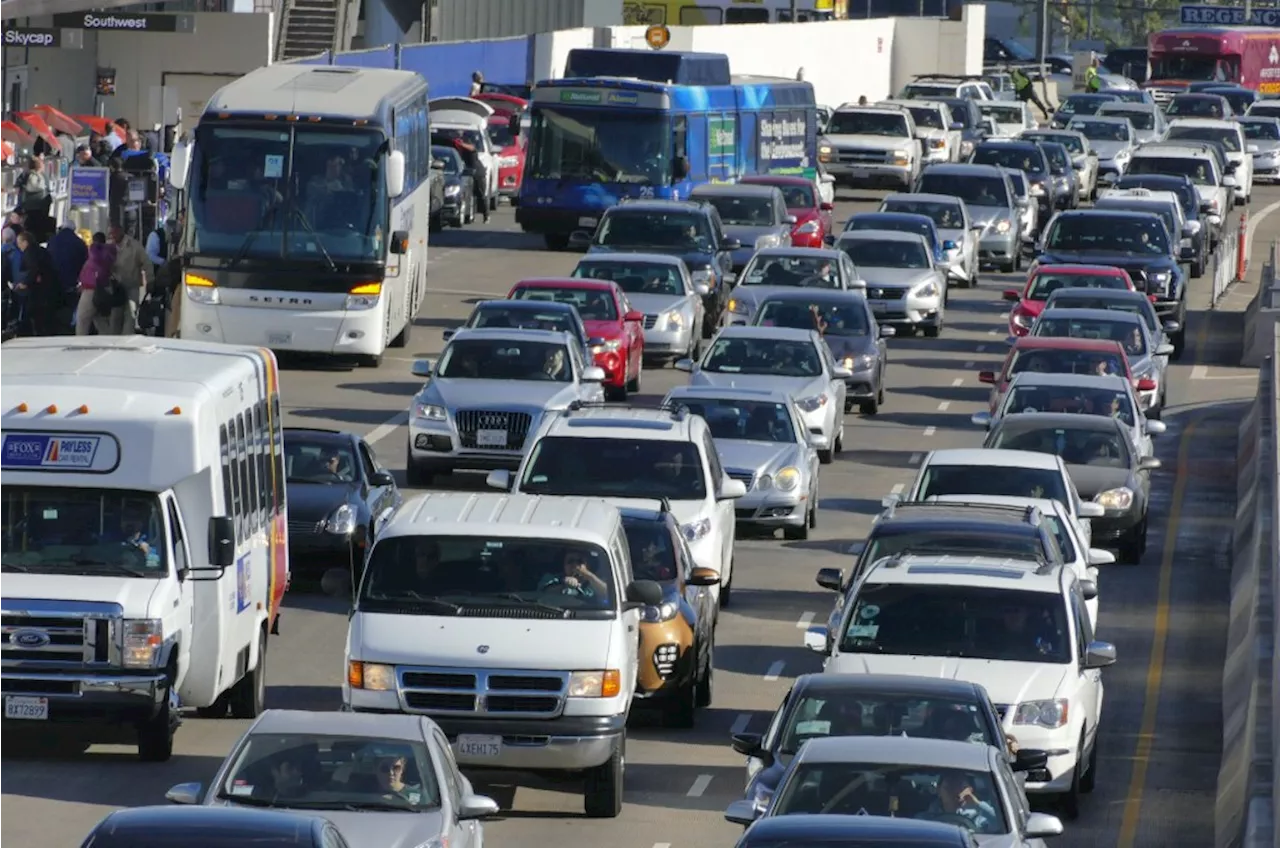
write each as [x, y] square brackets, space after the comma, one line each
[1161, 733]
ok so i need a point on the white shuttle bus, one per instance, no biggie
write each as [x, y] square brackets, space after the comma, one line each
[145, 548]
[307, 196]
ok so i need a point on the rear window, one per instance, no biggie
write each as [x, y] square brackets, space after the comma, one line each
[996, 481]
[1019, 157]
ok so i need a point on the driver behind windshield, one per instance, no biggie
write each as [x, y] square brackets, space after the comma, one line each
[957, 797]
[575, 578]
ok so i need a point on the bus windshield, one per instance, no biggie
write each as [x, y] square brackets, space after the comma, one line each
[599, 145]
[1185, 67]
[98, 532]
[308, 193]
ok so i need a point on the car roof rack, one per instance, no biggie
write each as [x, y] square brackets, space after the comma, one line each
[1031, 513]
[947, 76]
[579, 405]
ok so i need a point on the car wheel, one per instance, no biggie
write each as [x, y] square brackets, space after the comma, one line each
[870, 407]
[1179, 341]
[800, 532]
[602, 795]
[1071, 799]
[1090, 779]
[932, 331]
[706, 682]
[826, 457]
[155, 736]
[726, 589]
[813, 512]
[1008, 267]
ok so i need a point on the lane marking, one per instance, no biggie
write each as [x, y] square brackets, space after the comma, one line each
[897, 488]
[943, 407]
[662, 845]
[991, 332]
[929, 431]
[970, 364]
[981, 348]
[805, 620]
[957, 382]
[775, 670]
[700, 784]
[740, 724]
[1201, 372]
[387, 427]
[914, 459]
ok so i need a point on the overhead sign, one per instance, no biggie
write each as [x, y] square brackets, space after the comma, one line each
[90, 186]
[603, 97]
[657, 36]
[91, 453]
[126, 22]
[32, 37]
[1196, 14]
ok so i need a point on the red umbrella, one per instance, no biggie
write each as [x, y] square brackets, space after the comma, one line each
[59, 120]
[15, 133]
[101, 126]
[37, 123]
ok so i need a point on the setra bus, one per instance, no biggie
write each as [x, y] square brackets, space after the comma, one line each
[1246, 56]
[307, 192]
[654, 124]
[716, 12]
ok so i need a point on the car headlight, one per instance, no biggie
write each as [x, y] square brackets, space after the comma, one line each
[901, 154]
[739, 307]
[926, 290]
[595, 684]
[1003, 226]
[767, 241]
[812, 404]
[824, 153]
[966, 148]
[672, 321]
[695, 530]
[142, 640]
[374, 677]
[787, 478]
[1161, 278]
[808, 228]
[702, 275]
[1121, 498]
[342, 522]
[1036, 190]
[662, 612]
[451, 190]
[1022, 319]
[610, 346]
[364, 296]
[1050, 714]
[937, 143]
[858, 363]
[429, 412]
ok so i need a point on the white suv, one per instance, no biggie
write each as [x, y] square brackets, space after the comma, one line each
[1018, 629]
[632, 457]
[1231, 136]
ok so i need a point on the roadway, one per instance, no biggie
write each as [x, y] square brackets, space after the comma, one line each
[1161, 731]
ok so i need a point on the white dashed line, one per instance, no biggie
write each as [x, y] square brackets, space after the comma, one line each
[805, 620]
[981, 348]
[898, 487]
[386, 428]
[741, 723]
[662, 845]
[957, 382]
[970, 364]
[942, 407]
[914, 459]
[775, 670]
[929, 431]
[991, 332]
[700, 784]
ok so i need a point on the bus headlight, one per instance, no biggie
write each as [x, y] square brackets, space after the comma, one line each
[142, 640]
[201, 290]
[364, 296]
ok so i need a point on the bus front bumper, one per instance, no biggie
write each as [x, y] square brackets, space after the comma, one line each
[332, 332]
[558, 221]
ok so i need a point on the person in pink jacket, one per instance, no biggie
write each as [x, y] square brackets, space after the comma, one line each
[95, 274]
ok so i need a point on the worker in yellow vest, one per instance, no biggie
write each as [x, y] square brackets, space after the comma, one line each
[1026, 91]
[1092, 83]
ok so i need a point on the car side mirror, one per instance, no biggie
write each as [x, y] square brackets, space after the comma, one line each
[1171, 327]
[448, 334]
[730, 243]
[684, 365]
[1164, 350]
[633, 316]
[815, 639]
[399, 244]
[1229, 181]
[382, 478]
[579, 239]
[475, 807]
[981, 419]
[742, 812]
[887, 332]
[644, 592]
[1088, 589]
[1149, 463]
[1097, 556]
[1042, 826]
[421, 368]
[830, 578]
[222, 541]
[988, 377]
[1155, 428]
[789, 219]
[500, 479]
[1146, 384]
[890, 500]
[593, 374]
[437, 164]
[1011, 295]
[1089, 509]
[827, 207]
[1100, 655]
[749, 745]
[703, 577]
[702, 289]
[184, 793]
[1028, 759]
[956, 126]
[732, 489]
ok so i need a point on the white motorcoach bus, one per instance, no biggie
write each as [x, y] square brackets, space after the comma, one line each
[145, 549]
[307, 198]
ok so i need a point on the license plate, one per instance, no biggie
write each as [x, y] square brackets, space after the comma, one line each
[588, 222]
[491, 438]
[279, 338]
[859, 173]
[473, 746]
[29, 709]
[879, 308]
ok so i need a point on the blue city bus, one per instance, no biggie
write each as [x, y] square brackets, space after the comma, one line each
[637, 124]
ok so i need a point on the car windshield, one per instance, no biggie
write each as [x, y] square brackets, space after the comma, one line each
[1144, 234]
[1017, 156]
[1004, 113]
[1199, 170]
[1018, 544]
[1043, 284]
[1228, 137]
[1066, 361]
[1263, 109]
[1140, 118]
[1076, 445]
[1126, 329]
[927, 116]
[945, 620]
[587, 145]
[311, 460]
[796, 195]
[1081, 105]
[1164, 210]
[505, 359]
[82, 531]
[873, 253]
[892, 223]
[495, 315]
[743, 420]
[817, 272]
[301, 192]
[946, 215]
[635, 277]
[1102, 130]
[488, 576]
[1261, 130]
[653, 550]
[915, 792]
[500, 134]
[1059, 159]
[742, 211]
[1188, 106]
[837, 713]
[998, 481]
[600, 467]
[973, 190]
[449, 157]
[1070, 140]
[830, 319]
[869, 123]
[1067, 399]
[773, 357]
[593, 304]
[639, 229]
[310, 772]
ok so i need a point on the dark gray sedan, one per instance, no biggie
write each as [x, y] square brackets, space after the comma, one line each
[854, 337]
[1105, 465]
[755, 215]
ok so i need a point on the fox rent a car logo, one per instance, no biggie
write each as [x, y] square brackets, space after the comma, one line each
[41, 451]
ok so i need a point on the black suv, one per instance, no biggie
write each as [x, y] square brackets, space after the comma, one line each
[1028, 157]
[1189, 199]
[684, 228]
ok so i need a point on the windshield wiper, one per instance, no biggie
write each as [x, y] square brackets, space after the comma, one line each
[354, 806]
[320, 244]
[413, 598]
[118, 567]
[251, 236]
[563, 612]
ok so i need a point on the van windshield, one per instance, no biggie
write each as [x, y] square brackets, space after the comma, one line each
[98, 532]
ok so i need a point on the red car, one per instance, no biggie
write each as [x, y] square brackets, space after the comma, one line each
[813, 217]
[508, 142]
[1056, 355]
[1044, 280]
[616, 330]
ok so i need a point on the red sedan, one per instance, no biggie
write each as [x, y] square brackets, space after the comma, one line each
[616, 330]
[1057, 355]
[510, 147]
[813, 217]
[1044, 280]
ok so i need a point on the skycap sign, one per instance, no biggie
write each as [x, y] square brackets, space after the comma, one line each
[32, 37]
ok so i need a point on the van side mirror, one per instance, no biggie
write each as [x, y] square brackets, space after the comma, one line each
[703, 577]
[222, 542]
[1100, 655]
[179, 160]
[395, 173]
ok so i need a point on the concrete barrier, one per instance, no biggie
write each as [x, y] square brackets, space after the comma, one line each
[1247, 790]
[1263, 312]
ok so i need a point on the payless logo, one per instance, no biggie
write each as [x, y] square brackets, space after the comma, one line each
[70, 453]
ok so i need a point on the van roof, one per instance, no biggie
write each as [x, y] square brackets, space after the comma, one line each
[508, 515]
[967, 571]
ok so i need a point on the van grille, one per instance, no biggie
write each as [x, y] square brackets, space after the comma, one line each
[69, 639]
[510, 693]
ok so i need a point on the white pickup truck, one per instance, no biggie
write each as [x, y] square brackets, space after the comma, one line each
[871, 146]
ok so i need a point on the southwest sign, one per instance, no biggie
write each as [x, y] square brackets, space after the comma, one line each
[125, 22]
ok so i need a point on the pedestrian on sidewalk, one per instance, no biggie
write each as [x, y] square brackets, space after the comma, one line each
[131, 272]
[69, 254]
[38, 287]
[94, 307]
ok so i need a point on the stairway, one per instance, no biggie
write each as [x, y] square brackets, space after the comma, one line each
[308, 27]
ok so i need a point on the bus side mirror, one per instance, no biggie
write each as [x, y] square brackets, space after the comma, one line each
[399, 243]
[179, 159]
[679, 168]
[222, 542]
[395, 173]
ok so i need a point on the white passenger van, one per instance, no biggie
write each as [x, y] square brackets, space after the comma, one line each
[511, 620]
[145, 549]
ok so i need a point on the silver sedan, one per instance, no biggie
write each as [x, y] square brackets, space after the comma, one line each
[381, 779]
[795, 362]
[777, 269]
[659, 286]
[762, 441]
[1262, 136]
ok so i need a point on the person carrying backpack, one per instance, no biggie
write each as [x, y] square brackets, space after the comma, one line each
[98, 291]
